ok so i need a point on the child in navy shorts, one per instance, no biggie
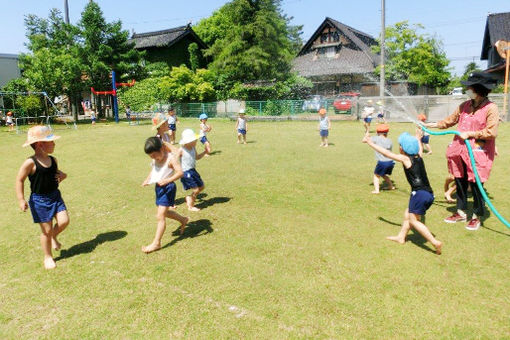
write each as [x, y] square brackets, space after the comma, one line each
[422, 195]
[324, 127]
[204, 129]
[172, 124]
[165, 170]
[241, 127]
[191, 178]
[45, 201]
[367, 114]
[424, 137]
[385, 165]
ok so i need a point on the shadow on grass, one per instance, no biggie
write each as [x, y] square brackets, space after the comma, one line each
[89, 246]
[251, 141]
[193, 229]
[418, 240]
[182, 200]
[212, 201]
[215, 152]
[380, 218]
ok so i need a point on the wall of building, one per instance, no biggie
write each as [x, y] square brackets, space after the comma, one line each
[9, 68]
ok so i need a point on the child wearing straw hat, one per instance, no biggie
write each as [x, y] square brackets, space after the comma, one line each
[165, 171]
[384, 166]
[45, 201]
[191, 178]
[324, 127]
[422, 195]
[160, 123]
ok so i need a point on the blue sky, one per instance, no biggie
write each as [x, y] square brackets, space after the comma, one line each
[459, 24]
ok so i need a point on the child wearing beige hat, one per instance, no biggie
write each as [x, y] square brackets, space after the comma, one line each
[45, 201]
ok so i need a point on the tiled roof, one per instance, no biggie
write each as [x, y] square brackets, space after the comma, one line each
[348, 61]
[164, 38]
[496, 28]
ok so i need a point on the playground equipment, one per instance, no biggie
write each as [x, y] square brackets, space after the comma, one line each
[113, 93]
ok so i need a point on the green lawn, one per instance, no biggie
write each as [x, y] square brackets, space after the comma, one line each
[290, 244]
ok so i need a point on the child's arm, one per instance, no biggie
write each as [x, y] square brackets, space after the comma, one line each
[418, 135]
[25, 170]
[329, 124]
[172, 163]
[202, 154]
[60, 176]
[146, 182]
[237, 124]
[387, 153]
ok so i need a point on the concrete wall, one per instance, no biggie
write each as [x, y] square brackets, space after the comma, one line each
[8, 68]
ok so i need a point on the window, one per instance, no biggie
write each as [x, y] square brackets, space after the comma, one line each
[330, 51]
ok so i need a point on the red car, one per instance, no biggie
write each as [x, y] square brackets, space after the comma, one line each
[343, 103]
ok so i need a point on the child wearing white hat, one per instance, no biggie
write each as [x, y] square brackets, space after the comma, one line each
[191, 178]
[241, 127]
[45, 201]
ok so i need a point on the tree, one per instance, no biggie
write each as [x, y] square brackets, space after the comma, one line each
[418, 58]
[250, 40]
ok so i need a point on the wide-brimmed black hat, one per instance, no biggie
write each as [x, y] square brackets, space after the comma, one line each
[480, 78]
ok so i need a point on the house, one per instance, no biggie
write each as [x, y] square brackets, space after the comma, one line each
[497, 28]
[9, 68]
[169, 46]
[337, 58]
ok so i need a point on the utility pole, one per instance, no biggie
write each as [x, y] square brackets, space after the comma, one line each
[383, 38]
[66, 10]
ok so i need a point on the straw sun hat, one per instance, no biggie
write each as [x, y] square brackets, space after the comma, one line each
[39, 133]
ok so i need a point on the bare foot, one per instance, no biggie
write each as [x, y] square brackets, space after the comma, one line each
[49, 263]
[326, 145]
[396, 239]
[183, 225]
[449, 199]
[193, 209]
[150, 248]
[244, 142]
[375, 192]
[438, 247]
[55, 244]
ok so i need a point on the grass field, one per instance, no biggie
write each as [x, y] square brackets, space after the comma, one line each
[289, 244]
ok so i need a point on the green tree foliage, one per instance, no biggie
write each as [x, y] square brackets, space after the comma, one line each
[415, 57]
[184, 85]
[143, 95]
[250, 40]
[194, 58]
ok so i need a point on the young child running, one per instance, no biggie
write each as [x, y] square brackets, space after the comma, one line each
[191, 178]
[367, 113]
[165, 171]
[45, 201]
[241, 127]
[324, 126]
[160, 123]
[385, 165]
[422, 196]
[172, 124]
[204, 129]
[425, 137]
[9, 122]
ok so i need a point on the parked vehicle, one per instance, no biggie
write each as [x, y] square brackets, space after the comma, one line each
[344, 102]
[457, 91]
[314, 103]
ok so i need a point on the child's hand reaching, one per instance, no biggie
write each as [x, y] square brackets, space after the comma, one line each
[366, 138]
[23, 205]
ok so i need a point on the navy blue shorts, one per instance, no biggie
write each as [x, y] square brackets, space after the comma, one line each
[165, 195]
[384, 168]
[420, 202]
[203, 139]
[425, 139]
[241, 131]
[45, 206]
[380, 115]
[367, 120]
[324, 133]
[172, 127]
[191, 179]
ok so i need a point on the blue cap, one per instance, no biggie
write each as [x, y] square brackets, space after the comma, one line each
[203, 116]
[408, 143]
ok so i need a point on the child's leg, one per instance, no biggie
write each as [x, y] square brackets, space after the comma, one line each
[208, 147]
[238, 138]
[376, 184]
[160, 230]
[46, 234]
[176, 216]
[401, 237]
[428, 148]
[425, 232]
[244, 138]
[62, 222]
[190, 200]
[326, 141]
[447, 182]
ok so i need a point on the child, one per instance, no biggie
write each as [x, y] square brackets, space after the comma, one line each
[45, 201]
[422, 196]
[172, 121]
[165, 170]
[160, 123]
[324, 126]
[191, 178]
[9, 121]
[425, 137]
[92, 117]
[385, 165]
[380, 114]
[367, 113]
[204, 129]
[449, 190]
[242, 127]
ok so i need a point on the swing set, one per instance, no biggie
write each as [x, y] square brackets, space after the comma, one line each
[113, 93]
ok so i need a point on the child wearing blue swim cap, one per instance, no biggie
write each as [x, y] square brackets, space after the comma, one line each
[422, 195]
[204, 129]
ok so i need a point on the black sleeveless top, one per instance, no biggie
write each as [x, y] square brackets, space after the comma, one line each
[417, 175]
[43, 180]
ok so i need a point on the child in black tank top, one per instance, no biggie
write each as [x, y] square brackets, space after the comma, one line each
[45, 202]
[422, 196]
